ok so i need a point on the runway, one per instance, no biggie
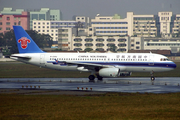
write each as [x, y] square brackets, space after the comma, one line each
[129, 85]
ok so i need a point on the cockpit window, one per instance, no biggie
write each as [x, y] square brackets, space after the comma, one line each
[164, 59]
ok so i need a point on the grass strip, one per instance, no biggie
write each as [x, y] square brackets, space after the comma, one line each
[106, 106]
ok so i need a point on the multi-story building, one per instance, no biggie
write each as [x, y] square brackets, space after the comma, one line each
[100, 43]
[144, 25]
[163, 25]
[137, 32]
[154, 43]
[86, 21]
[110, 26]
[44, 27]
[166, 20]
[8, 18]
[62, 31]
[65, 39]
[51, 27]
[132, 25]
[45, 14]
[176, 25]
[172, 44]
[136, 43]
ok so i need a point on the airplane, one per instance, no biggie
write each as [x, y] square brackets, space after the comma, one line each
[103, 65]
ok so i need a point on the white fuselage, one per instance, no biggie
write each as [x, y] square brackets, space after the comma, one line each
[126, 62]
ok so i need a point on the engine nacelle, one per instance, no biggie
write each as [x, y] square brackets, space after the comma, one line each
[82, 69]
[109, 72]
[125, 73]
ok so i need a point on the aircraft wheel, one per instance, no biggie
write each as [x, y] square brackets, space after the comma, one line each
[91, 78]
[152, 78]
[99, 78]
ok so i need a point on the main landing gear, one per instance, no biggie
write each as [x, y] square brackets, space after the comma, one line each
[152, 76]
[92, 77]
[99, 78]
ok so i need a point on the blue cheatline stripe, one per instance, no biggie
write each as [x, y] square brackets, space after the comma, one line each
[132, 64]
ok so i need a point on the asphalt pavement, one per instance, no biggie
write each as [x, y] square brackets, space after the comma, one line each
[78, 86]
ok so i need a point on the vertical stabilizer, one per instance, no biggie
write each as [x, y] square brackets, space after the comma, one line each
[24, 41]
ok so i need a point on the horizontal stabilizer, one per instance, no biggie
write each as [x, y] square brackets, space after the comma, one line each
[21, 57]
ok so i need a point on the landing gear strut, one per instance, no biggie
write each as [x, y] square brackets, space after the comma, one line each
[152, 76]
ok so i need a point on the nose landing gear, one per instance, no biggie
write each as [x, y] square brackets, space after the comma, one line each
[152, 76]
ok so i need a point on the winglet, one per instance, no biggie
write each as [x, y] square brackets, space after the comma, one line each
[24, 42]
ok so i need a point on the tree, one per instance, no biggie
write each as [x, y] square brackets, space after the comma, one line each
[38, 39]
[41, 40]
[88, 49]
[47, 40]
[9, 37]
[2, 41]
[113, 48]
[176, 34]
[57, 49]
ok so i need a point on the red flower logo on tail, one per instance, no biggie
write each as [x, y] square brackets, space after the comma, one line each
[24, 42]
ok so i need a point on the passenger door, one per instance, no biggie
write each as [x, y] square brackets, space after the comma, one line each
[151, 59]
[42, 62]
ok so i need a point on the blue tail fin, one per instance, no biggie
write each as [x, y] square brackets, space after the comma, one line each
[24, 41]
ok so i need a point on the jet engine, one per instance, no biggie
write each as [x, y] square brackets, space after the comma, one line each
[109, 72]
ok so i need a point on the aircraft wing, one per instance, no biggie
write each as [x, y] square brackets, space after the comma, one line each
[87, 65]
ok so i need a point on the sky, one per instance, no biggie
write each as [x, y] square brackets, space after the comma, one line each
[90, 8]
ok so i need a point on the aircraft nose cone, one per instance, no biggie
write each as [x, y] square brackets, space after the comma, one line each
[171, 65]
[174, 65]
